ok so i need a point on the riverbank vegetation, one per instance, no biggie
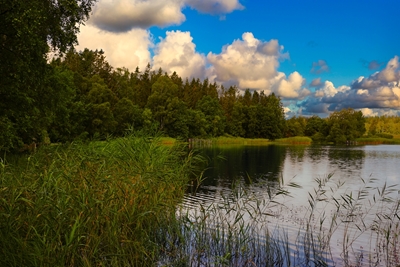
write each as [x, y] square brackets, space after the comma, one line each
[96, 204]
[249, 227]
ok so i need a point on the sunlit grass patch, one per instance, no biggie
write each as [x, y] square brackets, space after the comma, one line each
[240, 141]
[295, 140]
[377, 141]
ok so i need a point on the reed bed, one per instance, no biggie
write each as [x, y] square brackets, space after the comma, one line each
[97, 204]
[123, 203]
[246, 227]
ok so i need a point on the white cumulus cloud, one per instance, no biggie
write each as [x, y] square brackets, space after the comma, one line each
[130, 49]
[177, 53]
[248, 63]
[124, 15]
[292, 87]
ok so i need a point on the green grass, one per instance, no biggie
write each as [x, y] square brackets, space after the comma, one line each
[223, 140]
[114, 203]
[304, 140]
[96, 204]
[377, 141]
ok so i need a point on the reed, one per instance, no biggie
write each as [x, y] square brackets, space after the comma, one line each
[243, 227]
[96, 204]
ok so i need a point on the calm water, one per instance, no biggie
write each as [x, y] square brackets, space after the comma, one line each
[253, 167]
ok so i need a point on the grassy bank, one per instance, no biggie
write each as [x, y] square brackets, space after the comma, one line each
[296, 140]
[223, 140]
[378, 141]
[97, 204]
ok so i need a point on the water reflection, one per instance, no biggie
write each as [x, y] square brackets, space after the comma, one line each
[347, 158]
[302, 164]
[248, 164]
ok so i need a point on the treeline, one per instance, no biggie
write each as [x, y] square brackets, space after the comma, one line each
[383, 125]
[83, 97]
[343, 126]
[340, 127]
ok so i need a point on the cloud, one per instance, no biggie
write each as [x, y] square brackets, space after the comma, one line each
[371, 65]
[392, 71]
[319, 67]
[248, 63]
[177, 53]
[215, 7]
[327, 90]
[369, 112]
[292, 87]
[379, 112]
[380, 90]
[316, 82]
[128, 50]
[124, 15]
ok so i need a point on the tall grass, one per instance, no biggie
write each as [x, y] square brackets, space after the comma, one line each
[98, 204]
[253, 227]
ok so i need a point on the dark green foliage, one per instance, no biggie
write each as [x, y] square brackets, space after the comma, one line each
[345, 125]
[80, 96]
[26, 30]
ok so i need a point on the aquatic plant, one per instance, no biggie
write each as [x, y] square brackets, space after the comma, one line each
[96, 204]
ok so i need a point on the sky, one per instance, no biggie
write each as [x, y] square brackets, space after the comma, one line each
[318, 56]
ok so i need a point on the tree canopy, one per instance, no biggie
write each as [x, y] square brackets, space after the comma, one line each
[28, 31]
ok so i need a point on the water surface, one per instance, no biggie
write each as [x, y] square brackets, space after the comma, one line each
[354, 168]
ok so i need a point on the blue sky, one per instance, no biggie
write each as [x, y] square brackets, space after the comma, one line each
[319, 56]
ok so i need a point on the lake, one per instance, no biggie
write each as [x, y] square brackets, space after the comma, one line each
[345, 196]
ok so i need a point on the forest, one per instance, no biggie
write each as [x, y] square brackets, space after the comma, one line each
[82, 97]
[78, 95]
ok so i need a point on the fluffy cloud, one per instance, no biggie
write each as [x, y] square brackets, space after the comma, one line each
[128, 50]
[215, 7]
[319, 67]
[249, 63]
[316, 82]
[292, 87]
[328, 90]
[124, 15]
[177, 53]
[381, 90]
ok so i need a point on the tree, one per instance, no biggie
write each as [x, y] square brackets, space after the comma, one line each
[345, 125]
[214, 115]
[26, 30]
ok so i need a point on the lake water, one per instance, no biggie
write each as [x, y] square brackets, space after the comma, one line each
[361, 175]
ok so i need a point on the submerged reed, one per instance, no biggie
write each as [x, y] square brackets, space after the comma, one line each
[115, 204]
[252, 227]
